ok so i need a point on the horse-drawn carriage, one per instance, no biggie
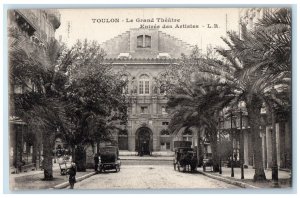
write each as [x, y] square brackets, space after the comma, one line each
[185, 158]
[110, 160]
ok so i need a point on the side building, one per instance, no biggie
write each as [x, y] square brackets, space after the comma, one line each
[36, 28]
[145, 53]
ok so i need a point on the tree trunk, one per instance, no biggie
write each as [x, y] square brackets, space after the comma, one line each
[199, 149]
[214, 150]
[98, 147]
[73, 153]
[215, 157]
[254, 122]
[80, 159]
[48, 144]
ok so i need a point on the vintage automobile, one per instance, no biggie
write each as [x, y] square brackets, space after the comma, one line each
[109, 159]
[185, 158]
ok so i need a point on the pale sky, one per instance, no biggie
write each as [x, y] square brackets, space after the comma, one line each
[82, 25]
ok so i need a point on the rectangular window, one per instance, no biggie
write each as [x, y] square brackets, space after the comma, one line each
[168, 145]
[141, 87]
[165, 123]
[144, 109]
[147, 87]
[163, 110]
[148, 41]
[140, 41]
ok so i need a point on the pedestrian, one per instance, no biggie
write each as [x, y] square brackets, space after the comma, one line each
[96, 161]
[72, 174]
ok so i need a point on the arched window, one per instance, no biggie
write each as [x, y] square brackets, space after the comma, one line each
[144, 84]
[187, 135]
[143, 41]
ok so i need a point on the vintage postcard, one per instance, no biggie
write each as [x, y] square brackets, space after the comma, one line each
[150, 98]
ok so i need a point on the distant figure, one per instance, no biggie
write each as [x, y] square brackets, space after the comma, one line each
[194, 162]
[96, 161]
[72, 174]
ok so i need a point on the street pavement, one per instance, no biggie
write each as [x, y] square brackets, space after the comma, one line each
[147, 173]
[150, 177]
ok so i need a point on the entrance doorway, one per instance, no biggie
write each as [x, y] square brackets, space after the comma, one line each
[144, 141]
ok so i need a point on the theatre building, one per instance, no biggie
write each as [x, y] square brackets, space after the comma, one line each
[145, 53]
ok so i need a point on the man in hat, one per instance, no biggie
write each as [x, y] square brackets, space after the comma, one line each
[72, 174]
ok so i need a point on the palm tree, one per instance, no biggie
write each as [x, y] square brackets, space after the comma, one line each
[252, 70]
[35, 68]
[201, 110]
[195, 100]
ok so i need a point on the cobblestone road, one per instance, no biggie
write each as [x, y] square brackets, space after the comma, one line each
[149, 177]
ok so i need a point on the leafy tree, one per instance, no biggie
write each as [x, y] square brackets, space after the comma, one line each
[94, 97]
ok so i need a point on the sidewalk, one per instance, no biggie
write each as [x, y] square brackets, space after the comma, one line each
[34, 179]
[247, 182]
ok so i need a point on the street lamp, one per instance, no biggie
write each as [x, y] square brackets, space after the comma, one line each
[241, 106]
[241, 144]
[220, 155]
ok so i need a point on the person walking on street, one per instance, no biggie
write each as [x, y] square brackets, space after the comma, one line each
[72, 175]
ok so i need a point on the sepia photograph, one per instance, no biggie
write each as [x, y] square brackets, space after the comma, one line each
[163, 98]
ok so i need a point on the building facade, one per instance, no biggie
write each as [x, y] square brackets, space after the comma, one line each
[36, 28]
[145, 54]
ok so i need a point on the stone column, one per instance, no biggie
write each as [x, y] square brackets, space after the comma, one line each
[131, 142]
[155, 142]
[133, 105]
[154, 105]
[131, 136]
[246, 149]
[262, 135]
[288, 144]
